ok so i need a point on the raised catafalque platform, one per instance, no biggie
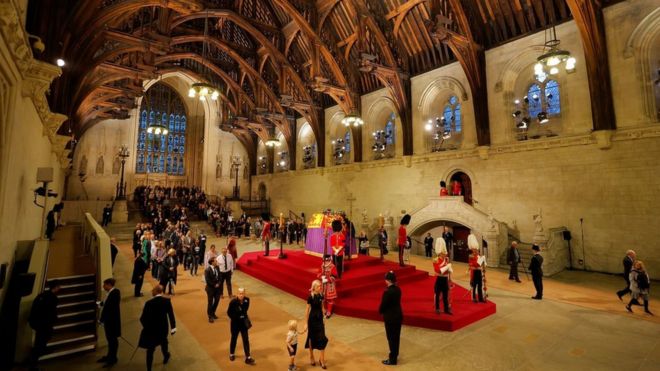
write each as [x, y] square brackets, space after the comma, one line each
[362, 285]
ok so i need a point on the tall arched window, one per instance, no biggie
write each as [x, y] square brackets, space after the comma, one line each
[161, 153]
[533, 113]
[389, 130]
[347, 141]
[443, 131]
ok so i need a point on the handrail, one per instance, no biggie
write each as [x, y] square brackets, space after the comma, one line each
[39, 267]
[97, 244]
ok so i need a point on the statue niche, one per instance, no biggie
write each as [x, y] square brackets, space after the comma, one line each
[100, 166]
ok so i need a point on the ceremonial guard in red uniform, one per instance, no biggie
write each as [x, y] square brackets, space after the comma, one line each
[442, 268]
[327, 277]
[402, 241]
[265, 233]
[476, 263]
[456, 188]
[443, 189]
[337, 241]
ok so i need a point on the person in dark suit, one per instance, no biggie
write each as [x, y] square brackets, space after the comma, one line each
[107, 215]
[111, 321]
[113, 251]
[536, 268]
[213, 288]
[43, 315]
[50, 224]
[139, 269]
[428, 245]
[238, 314]
[513, 258]
[628, 261]
[168, 272]
[449, 241]
[390, 309]
[154, 319]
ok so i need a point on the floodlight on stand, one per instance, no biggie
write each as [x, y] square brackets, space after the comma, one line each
[542, 117]
[446, 134]
[273, 141]
[517, 113]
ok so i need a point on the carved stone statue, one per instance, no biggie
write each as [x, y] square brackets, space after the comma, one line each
[218, 170]
[100, 165]
[365, 218]
[538, 222]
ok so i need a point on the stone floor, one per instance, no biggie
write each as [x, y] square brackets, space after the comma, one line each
[580, 325]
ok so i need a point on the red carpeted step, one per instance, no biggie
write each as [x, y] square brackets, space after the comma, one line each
[361, 288]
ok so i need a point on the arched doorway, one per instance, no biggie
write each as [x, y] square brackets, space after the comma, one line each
[457, 246]
[465, 186]
[262, 191]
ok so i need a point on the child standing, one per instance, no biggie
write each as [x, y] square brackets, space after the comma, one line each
[292, 343]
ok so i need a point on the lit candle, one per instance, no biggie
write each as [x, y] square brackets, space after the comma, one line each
[381, 220]
[281, 219]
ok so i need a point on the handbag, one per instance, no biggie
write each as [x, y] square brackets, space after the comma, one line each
[248, 323]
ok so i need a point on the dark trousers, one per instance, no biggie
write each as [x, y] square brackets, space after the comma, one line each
[213, 298]
[267, 247]
[138, 287]
[113, 345]
[339, 263]
[235, 330]
[194, 265]
[626, 290]
[225, 278]
[513, 272]
[441, 288]
[401, 248]
[40, 340]
[477, 286]
[155, 269]
[538, 284]
[428, 251]
[393, 333]
[150, 353]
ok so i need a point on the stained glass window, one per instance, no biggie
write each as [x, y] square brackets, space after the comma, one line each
[457, 118]
[347, 141]
[389, 131]
[158, 153]
[552, 98]
[447, 115]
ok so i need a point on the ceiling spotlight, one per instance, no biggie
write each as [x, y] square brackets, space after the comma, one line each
[517, 113]
[517, 101]
[554, 70]
[60, 62]
[446, 134]
[428, 127]
[543, 117]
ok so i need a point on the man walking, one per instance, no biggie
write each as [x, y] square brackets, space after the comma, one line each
[628, 261]
[513, 258]
[390, 309]
[139, 269]
[428, 245]
[111, 321]
[107, 215]
[536, 267]
[154, 319]
[226, 266]
[42, 319]
[213, 288]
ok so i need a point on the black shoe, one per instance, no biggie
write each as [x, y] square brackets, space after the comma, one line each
[210, 319]
[232, 357]
[109, 364]
[139, 295]
[103, 359]
[619, 296]
[536, 298]
[214, 316]
[647, 311]
[387, 362]
[166, 358]
[629, 308]
[519, 281]
[250, 361]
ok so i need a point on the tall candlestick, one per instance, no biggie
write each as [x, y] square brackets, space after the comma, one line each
[281, 219]
[381, 220]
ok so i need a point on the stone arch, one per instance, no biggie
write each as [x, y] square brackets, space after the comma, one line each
[376, 119]
[305, 138]
[337, 130]
[643, 44]
[436, 89]
[513, 82]
[262, 158]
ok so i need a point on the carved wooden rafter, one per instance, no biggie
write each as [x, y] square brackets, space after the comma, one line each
[588, 16]
[472, 59]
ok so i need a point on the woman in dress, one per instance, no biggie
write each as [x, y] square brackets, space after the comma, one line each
[316, 338]
[639, 287]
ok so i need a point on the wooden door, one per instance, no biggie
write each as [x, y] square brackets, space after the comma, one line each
[461, 251]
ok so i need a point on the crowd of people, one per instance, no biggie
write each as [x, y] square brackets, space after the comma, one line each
[164, 242]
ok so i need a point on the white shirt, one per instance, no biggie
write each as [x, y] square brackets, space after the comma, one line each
[225, 263]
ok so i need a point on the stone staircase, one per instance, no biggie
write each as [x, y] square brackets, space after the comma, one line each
[524, 249]
[75, 329]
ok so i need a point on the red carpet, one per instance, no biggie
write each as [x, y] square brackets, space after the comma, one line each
[362, 285]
